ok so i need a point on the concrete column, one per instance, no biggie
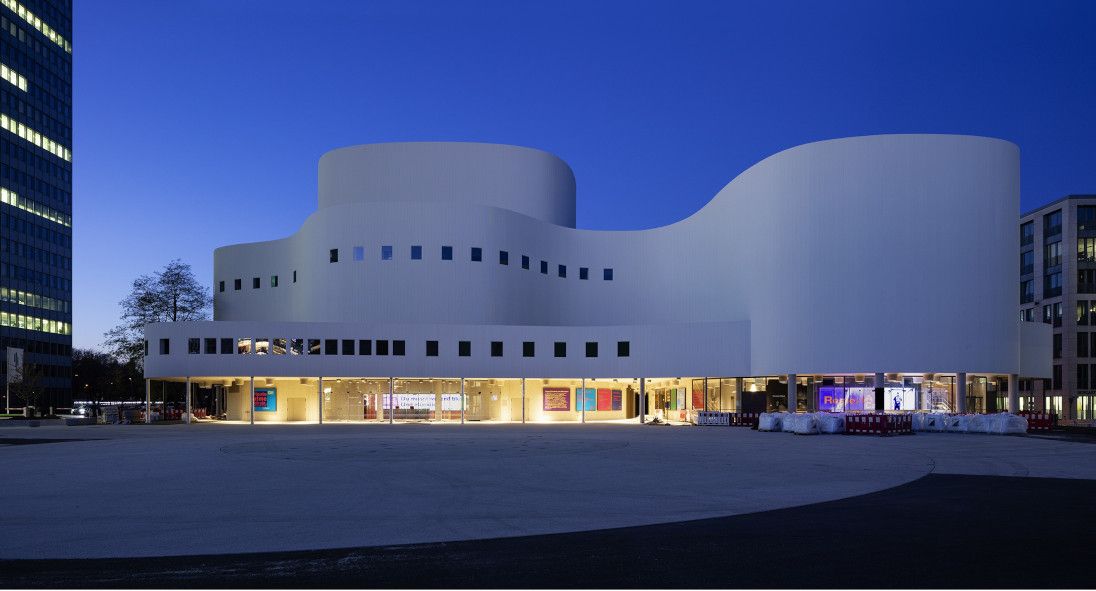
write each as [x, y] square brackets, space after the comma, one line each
[250, 405]
[961, 392]
[462, 401]
[1013, 393]
[391, 406]
[793, 395]
[583, 400]
[187, 421]
[642, 400]
[319, 400]
[522, 401]
[148, 401]
[739, 387]
[706, 393]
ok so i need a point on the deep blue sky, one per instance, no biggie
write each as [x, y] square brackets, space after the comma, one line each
[199, 123]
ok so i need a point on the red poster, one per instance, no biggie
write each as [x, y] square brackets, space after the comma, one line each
[604, 399]
[698, 399]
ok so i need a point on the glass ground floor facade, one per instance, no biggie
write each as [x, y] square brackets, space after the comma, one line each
[263, 399]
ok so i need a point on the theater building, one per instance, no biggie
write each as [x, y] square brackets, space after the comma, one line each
[448, 282]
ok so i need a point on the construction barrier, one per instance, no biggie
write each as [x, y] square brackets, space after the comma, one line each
[713, 418]
[1038, 421]
[878, 424]
[745, 419]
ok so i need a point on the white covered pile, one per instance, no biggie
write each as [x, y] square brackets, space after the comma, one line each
[834, 422]
[802, 423]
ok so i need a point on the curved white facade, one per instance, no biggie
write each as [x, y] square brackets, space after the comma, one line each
[893, 253]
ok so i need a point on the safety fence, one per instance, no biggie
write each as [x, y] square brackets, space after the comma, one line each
[879, 424]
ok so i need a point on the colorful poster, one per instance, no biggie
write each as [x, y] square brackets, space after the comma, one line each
[587, 402]
[557, 399]
[604, 399]
[266, 399]
[681, 398]
[618, 400]
[831, 398]
[698, 399]
[671, 399]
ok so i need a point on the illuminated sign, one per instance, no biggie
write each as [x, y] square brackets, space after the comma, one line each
[266, 399]
[557, 399]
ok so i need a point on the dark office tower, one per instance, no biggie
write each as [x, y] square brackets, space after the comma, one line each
[36, 191]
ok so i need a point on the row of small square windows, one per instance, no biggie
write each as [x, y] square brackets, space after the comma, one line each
[279, 346]
[476, 255]
[256, 282]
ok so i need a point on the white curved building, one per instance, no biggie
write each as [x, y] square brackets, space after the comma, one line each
[844, 271]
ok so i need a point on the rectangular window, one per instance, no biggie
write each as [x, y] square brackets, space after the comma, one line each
[528, 349]
[273, 281]
[591, 349]
[211, 346]
[294, 276]
[382, 347]
[1027, 233]
[146, 347]
[333, 255]
[386, 252]
[560, 349]
[1052, 224]
[496, 348]
[277, 346]
[1082, 376]
[563, 271]
[165, 347]
[262, 346]
[1057, 306]
[1086, 281]
[1057, 345]
[525, 262]
[243, 346]
[226, 347]
[365, 347]
[431, 348]
[1082, 344]
[464, 348]
[1056, 381]
[1086, 249]
[416, 252]
[1091, 344]
[583, 273]
[221, 286]
[359, 253]
[447, 253]
[1052, 285]
[477, 254]
[607, 274]
[331, 347]
[398, 348]
[313, 346]
[1082, 313]
[1086, 218]
[296, 347]
[193, 346]
[1027, 262]
[255, 283]
[1027, 291]
[348, 346]
[237, 284]
[1052, 254]
[624, 348]
[504, 257]
[1048, 316]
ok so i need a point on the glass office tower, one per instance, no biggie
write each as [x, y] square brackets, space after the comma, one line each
[36, 191]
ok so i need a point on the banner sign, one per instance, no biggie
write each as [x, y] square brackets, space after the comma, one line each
[618, 400]
[15, 365]
[557, 399]
[266, 399]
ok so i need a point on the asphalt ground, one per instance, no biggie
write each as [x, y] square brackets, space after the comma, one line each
[940, 531]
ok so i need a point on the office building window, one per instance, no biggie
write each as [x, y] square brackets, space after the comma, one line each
[591, 349]
[1082, 376]
[1086, 218]
[359, 253]
[624, 348]
[431, 348]
[544, 267]
[1082, 344]
[1086, 250]
[294, 276]
[193, 346]
[1052, 285]
[237, 284]
[1052, 224]
[226, 347]
[496, 348]
[477, 254]
[1027, 315]
[211, 346]
[313, 346]
[348, 346]
[525, 262]
[1027, 262]
[563, 271]
[333, 255]
[560, 349]
[146, 347]
[243, 346]
[1027, 291]
[1027, 233]
[583, 273]
[1056, 380]
[165, 347]
[255, 283]
[398, 348]
[365, 347]
[1086, 281]
[296, 346]
[386, 252]
[1057, 340]
[1082, 312]
[277, 346]
[416, 252]
[528, 349]
[331, 347]
[1092, 344]
[262, 346]
[1052, 254]
[382, 347]
[273, 281]
[607, 274]
[447, 253]
[504, 257]
[464, 348]
[221, 286]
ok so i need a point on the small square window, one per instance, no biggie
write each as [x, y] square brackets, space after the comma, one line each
[524, 262]
[210, 346]
[277, 346]
[477, 254]
[165, 347]
[464, 348]
[544, 267]
[331, 347]
[528, 349]
[591, 349]
[262, 346]
[496, 348]
[563, 271]
[237, 284]
[561, 349]
[273, 281]
[296, 347]
[447, 253]
[431, 348]
[583, 273]
[313, 346]
[294, 276]
[226, 347]
[624, 348]
[504, 257]
[221, 286]
[193, 346]
[386, 252]
[382, 347]
[348, 346]
[255, 283]
[607, 274]
[398, 348]
[243, 346]
[333, 255]
[365, 347]
[359, 253]
[416, 253]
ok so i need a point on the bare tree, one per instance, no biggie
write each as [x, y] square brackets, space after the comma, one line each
[169, 295]
[29, 386]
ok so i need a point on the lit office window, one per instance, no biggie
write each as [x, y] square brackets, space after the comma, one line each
[38, 23]
[262, 346]
[296, 347]
[359, 253]
[447, 253]
[416, 252]
[477, 254]
[31, 206]
[12, 76]
[313, 346]
[278, 346]
[243, 346]
[35, 137]
[386, 252]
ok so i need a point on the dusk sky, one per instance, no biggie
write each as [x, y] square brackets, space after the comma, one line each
[199, 124]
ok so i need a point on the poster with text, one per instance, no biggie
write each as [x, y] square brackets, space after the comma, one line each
[604, 399]
[266, 399]
[618, 400]
[557, 399]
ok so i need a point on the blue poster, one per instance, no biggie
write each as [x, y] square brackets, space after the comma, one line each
[266, 399]
[590, 400]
